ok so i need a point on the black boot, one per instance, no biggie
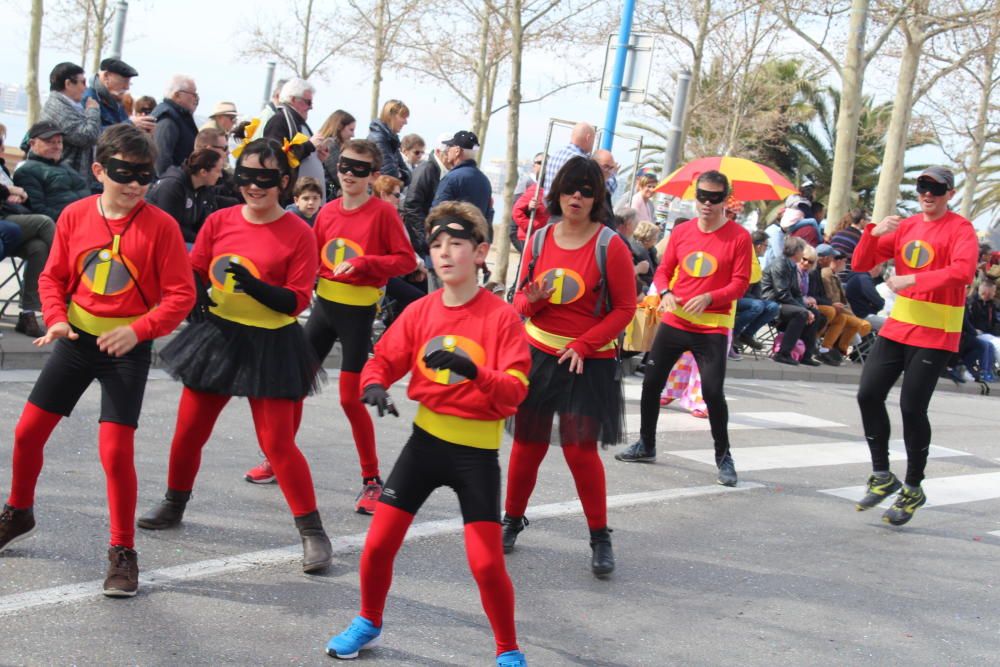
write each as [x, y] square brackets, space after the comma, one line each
[168, 513]
[317, 552]
[512, 526]
[603, 561]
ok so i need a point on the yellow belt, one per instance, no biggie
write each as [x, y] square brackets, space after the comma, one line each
[713, 320]
[555, 341]
[352, 295]
[244, 309]
[926, 314]
[478, 433]
[95, 325]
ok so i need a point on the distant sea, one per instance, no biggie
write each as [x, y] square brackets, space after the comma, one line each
[17, 125]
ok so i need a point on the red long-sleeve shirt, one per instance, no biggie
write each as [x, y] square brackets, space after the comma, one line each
[151, 249]
[282, 252]
[485, 329]
[942, 255]
[695, 262]
[522, 212]
[374, 242]
[569, 312]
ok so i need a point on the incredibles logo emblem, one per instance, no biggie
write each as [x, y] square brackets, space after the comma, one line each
[224, 281]
[917, 254]
[105, 272]
[339, 250]
[700, 264]
[461, 346]
[567, 285]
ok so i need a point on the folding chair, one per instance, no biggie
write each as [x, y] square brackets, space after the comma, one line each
[864, 348]
[17, 266]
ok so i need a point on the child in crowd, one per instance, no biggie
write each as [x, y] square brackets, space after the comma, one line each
[307, 197]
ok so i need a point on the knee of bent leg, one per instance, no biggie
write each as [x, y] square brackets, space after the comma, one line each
[488, 567]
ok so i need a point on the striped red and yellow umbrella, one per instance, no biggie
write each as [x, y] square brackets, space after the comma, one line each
[750, 181]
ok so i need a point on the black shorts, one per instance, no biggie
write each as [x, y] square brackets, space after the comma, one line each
[74, 364]
[427, 462]
[352, 325]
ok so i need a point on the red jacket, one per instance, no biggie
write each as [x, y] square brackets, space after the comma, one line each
[522, 212]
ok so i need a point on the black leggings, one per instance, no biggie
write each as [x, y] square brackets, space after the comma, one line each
[351, 324]
[920, 367]
[709, 352]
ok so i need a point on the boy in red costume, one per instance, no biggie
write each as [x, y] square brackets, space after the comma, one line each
[362, 243]
[117, 277]
[935, 253]
[468, 359]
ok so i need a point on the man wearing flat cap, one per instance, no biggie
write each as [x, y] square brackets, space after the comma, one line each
[109, 87]
[465, 181]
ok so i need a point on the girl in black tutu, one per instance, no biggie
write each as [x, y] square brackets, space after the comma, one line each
[260, 263]
[578, 293]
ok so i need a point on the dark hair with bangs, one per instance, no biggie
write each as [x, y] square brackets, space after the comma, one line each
[579, 169]
[126, 140]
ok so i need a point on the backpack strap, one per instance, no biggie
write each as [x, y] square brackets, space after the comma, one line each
[601, 255]
[537, 241]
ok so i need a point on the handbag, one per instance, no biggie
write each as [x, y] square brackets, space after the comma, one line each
[641, 330]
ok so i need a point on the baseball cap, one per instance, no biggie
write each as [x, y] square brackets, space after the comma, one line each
[463, 139]
[119, 67]
[826, 250]
[44, 129]
[939, 175]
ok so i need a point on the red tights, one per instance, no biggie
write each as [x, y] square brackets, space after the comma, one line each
[275, 421]
[361, 422]
[116, 444]
[483, 547]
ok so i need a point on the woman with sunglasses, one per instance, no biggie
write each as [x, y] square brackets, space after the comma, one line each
[935, 253]
[259, 262]
[575, 313]
[117, 278]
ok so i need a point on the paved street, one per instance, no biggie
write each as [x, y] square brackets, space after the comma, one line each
[780, 570]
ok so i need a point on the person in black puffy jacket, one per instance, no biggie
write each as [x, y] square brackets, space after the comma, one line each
[384, 133]
[187, 192]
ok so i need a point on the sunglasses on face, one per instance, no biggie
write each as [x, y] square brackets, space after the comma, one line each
[358, 168]
[710, 196]
[926, 185]
[585, 189]
[265, 179]
[124, 172]
[308, 102]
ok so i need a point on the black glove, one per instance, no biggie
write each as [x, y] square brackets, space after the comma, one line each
[375, 394]
[276, 298]
[202, 301]
[453, 362]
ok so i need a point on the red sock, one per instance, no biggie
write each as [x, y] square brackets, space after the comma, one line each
[385, 537]
[588, 475]
[274, 419]
[484, 548]
[117, 444]
[30, 435]
[522, 473]
[361, 423]
[196, 417]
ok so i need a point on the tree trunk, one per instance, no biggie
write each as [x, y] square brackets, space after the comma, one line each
[100, 19]
[697, 58]
[304, 61]
[891, 173]
[87, 19]
[852, 78]
[379, 56]
[480, 110]
[974, 163]
[34, 44]
[500, 237]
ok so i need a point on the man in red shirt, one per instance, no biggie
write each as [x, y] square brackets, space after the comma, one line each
[935, 253]
[705, 268]
[117, 277]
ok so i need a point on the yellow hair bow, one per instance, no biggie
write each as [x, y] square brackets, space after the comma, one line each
[286, 146]
[248, 132]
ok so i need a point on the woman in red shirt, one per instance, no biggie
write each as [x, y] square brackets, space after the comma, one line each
[575, 313]
[260, 262]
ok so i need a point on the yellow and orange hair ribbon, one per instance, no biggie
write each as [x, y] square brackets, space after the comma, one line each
[248, 132]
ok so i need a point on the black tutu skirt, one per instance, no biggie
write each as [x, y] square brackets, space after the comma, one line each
[590, 405]
[222, 357]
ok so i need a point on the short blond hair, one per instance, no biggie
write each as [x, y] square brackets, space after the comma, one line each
[809, 253]
[646, 232]
[459, 209]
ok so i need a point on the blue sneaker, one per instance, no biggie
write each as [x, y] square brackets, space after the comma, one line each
[511, 659]
[360, 634]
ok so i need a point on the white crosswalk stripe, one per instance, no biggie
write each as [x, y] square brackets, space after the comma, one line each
[941, 491]
[805, 456]
[673, 421]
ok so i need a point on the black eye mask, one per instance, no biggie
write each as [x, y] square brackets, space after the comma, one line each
[265, 179]
[358, 168]
[455, 227]
[931, 186]
[710, 196]
[124, 172]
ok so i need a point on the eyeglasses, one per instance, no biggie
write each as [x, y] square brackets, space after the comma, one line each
[397, 195]
[418, 153]
[82, 79]
[307, 101]
[191, 93]
[807, 262]
[538, 161]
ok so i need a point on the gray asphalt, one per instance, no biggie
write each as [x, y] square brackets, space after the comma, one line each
[780, 574]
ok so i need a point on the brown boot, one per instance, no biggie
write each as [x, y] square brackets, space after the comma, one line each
[317, 552]
[123, 573]
[28, 325]
[168, 513]
[15, 525]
